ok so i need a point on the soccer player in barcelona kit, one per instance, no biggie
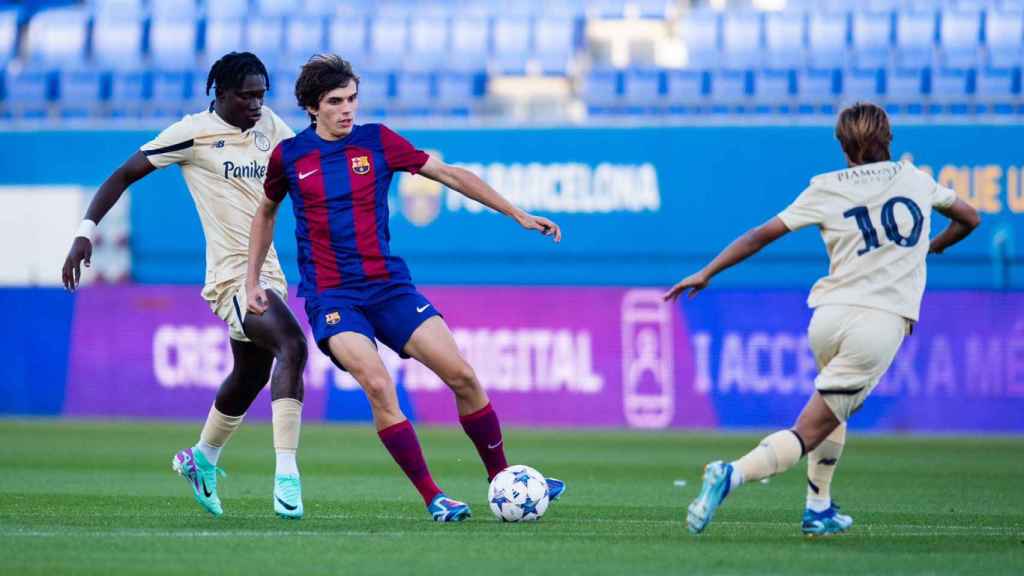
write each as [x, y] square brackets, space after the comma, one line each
[875, 220]
[223, 153]
[337, 174]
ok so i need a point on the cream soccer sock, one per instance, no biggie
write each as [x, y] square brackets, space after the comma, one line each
[821, 465]
[775, 454]
[287, 415]
[216, 432]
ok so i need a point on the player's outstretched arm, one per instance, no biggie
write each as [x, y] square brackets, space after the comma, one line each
[740, 249]
[471, 186]
[135, 168]
[963, 219]
[261, 236]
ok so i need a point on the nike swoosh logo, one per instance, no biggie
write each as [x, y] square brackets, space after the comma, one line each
[206, 490]
[420, 309]
[304, 175]
[285, 504]
[489, 447]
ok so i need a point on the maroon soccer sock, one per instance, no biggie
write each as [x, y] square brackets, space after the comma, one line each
[483, 429]
[400, 440]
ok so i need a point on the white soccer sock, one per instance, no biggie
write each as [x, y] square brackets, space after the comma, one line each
[212, 453]
[287, 417]
[775, 454]
[821, 465]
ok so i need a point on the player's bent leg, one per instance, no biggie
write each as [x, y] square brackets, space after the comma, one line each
[821, 515]
[433, 345]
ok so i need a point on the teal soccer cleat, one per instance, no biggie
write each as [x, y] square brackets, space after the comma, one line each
[825, 523]
[717, 481]
[444, 509]
[201, 476]
[288, 496]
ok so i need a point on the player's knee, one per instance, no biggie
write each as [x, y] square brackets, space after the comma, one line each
[463, 380]
[378, 388]
[294, 351]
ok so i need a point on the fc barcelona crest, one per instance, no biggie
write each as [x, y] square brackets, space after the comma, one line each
[332, 318]
[361, 165]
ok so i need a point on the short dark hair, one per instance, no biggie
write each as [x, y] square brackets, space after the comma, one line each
[321, 74]
[863, 131]
[230, 71]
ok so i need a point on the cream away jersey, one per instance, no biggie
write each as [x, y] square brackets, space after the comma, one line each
[875, 220]
[224, 168]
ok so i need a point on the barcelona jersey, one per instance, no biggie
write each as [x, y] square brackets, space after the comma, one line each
[339, 191]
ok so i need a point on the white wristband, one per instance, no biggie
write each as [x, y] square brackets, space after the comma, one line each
[85, 230]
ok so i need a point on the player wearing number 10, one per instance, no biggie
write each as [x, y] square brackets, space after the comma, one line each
[875, 219]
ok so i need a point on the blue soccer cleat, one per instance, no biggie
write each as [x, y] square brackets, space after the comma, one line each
[444, 509]
[201, 476]
[825, 523]
[717, 481]
[555, 489]
[288, 496]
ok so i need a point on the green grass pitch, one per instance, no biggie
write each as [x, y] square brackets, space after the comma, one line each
[100, 498]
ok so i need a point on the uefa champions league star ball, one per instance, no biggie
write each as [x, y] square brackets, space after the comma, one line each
[518, 494]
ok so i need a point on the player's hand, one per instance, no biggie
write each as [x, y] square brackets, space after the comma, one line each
[81, 251]
[545, 226]
[693, 283]
[256, 300]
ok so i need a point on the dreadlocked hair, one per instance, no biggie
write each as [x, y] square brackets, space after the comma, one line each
[230, 71]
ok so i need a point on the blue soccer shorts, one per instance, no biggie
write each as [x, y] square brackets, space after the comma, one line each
[390, 318]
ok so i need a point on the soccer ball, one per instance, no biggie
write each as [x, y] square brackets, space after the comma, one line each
[518, 494]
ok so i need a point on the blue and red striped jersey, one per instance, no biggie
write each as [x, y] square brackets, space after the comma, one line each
[339, 191]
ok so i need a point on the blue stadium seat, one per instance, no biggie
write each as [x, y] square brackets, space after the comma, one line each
[169, 91]
[117, 39]
[741, 40]
[915, 38]
[414, 89]
[375, 87]
[303, 37]
[555, 43]
[460, 89]
[1004, 36]
[998, 90]
[428, 42]
[774, 87]
[279, 8]
[602, 89]
[227, 9]
[960, 35]
[264, 36]
[906, 88]
[177, 9]
[871, 35]
[826, 38]
[80, 91]
[731, 89]
[8, 35]
[347, 36]
[863, 84]
[686, 88]
[389, 40]
[29, 91]
[129, 92]
[469, 42]
[701, 32]
[643, 87]
[173, 42]
[952, 88]
[58, 36]
[511, 44]
[222, 36]
[281, 97]
[784, 34]
[817, 90]
[322, 7]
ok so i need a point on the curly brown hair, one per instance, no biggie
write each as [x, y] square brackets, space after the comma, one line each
[863, 131]
[321, 74]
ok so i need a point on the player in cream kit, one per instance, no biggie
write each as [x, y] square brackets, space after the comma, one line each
[875, 220]
[223, 153]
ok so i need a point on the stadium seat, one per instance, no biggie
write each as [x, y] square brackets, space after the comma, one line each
[817, 89]
[998, 90]
[915, 38]
[129, 92]
[555, 43]
[827, 38]
[29, 91]
[375, 87]
[8, 35]
[511, 44]
[602, 89]
[169, 90]
[172, 42]
[731, 89]
[643, 87]
[952, 88]
[774, 87]
[469, 43]
[741, 40]
[906, 88]
[871, 35]
[279, 8]
[303, 37]
[347, 36]
[700, 32]
[80, 91]
[222, 36]
[177, 9]
[389, 40]
[863, 84]
[264, 36]
[784, 39]
[460, 88]
[1004, 35]
[960, 37]
[281, 96]
[58, 36]
[414, 89]
[227, 9]
[428, 42]
[686, 88]
[117, 39]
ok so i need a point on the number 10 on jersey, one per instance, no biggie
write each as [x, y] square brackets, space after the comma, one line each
[892, 231]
